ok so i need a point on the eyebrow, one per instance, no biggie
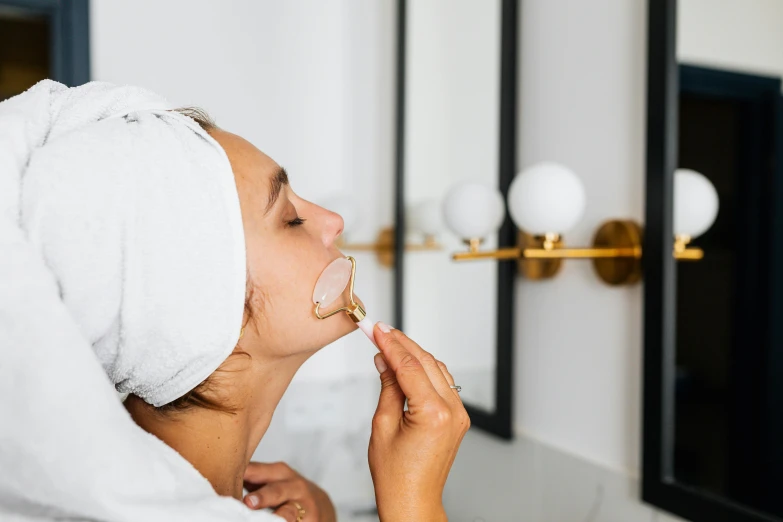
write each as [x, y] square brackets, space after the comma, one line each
[278, 180]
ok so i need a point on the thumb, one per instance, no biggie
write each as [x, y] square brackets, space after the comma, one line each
[392, 400]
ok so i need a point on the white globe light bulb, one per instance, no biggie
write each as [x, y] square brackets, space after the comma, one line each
[348, 209]
[426, 217]
[546, 198]
[696, 203]
[473, 210]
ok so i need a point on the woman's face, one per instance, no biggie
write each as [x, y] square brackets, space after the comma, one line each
[289, 242]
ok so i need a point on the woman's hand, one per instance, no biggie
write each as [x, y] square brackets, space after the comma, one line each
[278, 486]
[411, 452]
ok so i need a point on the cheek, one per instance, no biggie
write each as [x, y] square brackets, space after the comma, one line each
[286, 268]
[285, 278]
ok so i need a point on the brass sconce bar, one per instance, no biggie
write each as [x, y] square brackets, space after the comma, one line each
[616, 253]
[384, 246]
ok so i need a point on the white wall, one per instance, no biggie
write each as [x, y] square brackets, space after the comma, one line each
[740, 35]
[578, 341]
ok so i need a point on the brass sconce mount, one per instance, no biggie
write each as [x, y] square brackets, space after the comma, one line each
[616, 253]
[538, 268]
[623, 236]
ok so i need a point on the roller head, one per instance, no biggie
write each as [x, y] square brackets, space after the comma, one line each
[332, 282]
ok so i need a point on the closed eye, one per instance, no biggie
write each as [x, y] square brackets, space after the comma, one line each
[295, 222]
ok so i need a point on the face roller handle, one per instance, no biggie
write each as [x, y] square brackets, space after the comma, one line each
[359, 316]
[366, 326]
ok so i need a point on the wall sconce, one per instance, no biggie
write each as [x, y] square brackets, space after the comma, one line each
[547, 200]
[425, 220]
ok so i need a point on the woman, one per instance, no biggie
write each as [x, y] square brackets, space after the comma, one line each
[409, 456]
[216, 424]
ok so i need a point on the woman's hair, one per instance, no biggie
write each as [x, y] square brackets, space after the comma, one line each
[203, 395]
[200, 116]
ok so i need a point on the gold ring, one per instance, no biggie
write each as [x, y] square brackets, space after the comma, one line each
[300, 511]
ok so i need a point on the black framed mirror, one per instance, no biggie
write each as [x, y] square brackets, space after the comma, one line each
[456, 121]
[713, 353]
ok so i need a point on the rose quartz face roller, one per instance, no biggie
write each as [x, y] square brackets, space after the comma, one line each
[331, 285]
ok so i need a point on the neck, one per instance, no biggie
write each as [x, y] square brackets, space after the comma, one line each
[219, 444]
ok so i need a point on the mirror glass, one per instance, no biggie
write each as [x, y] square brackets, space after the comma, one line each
[452, 101]
[728, 394]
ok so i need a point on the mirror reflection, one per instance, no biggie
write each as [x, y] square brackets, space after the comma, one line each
[451, 137]
[728, 392]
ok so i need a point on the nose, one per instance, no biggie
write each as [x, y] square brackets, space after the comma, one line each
[333, 226]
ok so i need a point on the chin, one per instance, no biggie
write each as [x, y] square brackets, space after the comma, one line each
[337, 326]
[340, 326]
[346, 326]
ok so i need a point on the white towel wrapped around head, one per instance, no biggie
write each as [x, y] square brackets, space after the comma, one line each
[135, 211]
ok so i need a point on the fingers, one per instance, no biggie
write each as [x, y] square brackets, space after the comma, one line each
[392, 400]
[446, 373]
[409, 372]
[429, 363]
[450, 380]
[288, 511]
[259, 473]
[277, 493]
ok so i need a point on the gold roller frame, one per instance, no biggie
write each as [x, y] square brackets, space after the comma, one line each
[616, 253]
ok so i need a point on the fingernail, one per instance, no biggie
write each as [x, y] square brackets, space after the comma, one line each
[380, 363]
[384, 327]
[252, 500]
